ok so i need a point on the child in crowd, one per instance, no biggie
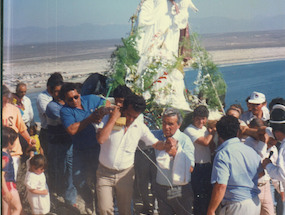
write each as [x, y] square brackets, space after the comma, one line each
[11, 203]
[37, 189]
[33, 133]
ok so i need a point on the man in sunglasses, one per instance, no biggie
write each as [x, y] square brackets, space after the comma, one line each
[78, 115]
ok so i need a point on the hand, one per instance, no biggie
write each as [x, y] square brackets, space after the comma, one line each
[115, 113]
[33, 142]
[265, 162]
[261, 130]
[45, 192]
[171, 146]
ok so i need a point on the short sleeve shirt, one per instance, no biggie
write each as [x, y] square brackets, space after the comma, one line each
[202, 153]
[237, 166]
[86, 138]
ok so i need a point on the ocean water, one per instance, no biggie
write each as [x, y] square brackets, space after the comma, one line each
[242, 80]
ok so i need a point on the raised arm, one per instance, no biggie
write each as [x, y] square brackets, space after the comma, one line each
[104, 133]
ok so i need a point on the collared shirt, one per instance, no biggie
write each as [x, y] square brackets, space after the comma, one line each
[237, 166]
[86, 138]
[28, 113]
[118, 151]
[202, 153]
[53, 118]
[42, 101]
[278, 171]
[187, 148]
[248, 116]
[261, 149]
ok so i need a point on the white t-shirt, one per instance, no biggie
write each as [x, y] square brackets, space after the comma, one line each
[202, 153]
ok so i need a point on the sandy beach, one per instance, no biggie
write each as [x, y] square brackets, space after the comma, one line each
[36, 75]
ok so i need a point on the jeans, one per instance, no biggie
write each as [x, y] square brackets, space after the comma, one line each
[145, 174]
[60, 158]
[85, 164]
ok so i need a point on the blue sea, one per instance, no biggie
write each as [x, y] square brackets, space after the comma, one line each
[241, 80]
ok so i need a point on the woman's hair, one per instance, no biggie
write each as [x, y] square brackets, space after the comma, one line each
[33, 127]
[9, 135]
[38, 161]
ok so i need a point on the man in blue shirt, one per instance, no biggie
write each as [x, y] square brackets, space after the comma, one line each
[60, 150]
[78, 115]
[173, 190]
[235, 173]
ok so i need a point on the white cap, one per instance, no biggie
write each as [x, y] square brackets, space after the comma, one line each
[257, 98]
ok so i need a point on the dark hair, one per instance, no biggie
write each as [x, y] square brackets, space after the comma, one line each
[33, 127]
[55, 83]
[173, 112]
[20, 84]
[256, 123]
[9, 135]
[247, 99]
[201, 111]
[66, 87]
[38, 161]
[237, 107]
[227, 127]
[136, 101]
[122, 91]
[5, 90]
[276, 101]
[53, 78]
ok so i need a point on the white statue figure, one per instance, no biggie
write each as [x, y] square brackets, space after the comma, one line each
[159, 24]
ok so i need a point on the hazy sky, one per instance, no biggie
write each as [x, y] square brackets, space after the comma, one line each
[49, 13]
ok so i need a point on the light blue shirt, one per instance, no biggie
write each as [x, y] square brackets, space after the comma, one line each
[187, 147]
[237, 166]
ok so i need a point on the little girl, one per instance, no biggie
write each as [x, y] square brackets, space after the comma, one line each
[33, 133]
[11, 203]
[35, 181]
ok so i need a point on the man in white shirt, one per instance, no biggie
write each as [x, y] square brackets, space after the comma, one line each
[277, 122]
[201, 177]
[115, 173]
[258, 109]
[23, 103]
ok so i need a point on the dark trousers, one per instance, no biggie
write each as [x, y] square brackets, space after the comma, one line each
[145, 174]
[180, 205]
[202, 188]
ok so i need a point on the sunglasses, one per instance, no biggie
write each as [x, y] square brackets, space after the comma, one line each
[71, 99]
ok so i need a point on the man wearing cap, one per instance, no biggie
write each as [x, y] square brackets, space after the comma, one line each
[258, 109]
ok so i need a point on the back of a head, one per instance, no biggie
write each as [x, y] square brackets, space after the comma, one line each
[66, 87]
[9, 135]
[201, 111]
[277, 118]
[137, 102]
[54, 78]
[38, 161]
[256, 123]
[227, 127]
[5, 90]
[122, 91]
[276, 101]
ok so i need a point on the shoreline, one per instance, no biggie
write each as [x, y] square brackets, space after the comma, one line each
[78, 71]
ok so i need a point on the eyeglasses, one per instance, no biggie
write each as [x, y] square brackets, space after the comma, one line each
[71, 99]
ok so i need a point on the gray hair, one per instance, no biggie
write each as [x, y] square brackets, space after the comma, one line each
[173, 112]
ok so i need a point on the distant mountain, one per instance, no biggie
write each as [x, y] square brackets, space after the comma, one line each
[20, 36]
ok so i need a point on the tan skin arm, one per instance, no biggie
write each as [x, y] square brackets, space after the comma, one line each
[27, 137]
[7, 195]
[216, 198]
[94, 117]
[104, 133]
[205, 141]
[39, 192]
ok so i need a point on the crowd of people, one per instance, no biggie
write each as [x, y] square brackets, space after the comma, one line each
[102, 150]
